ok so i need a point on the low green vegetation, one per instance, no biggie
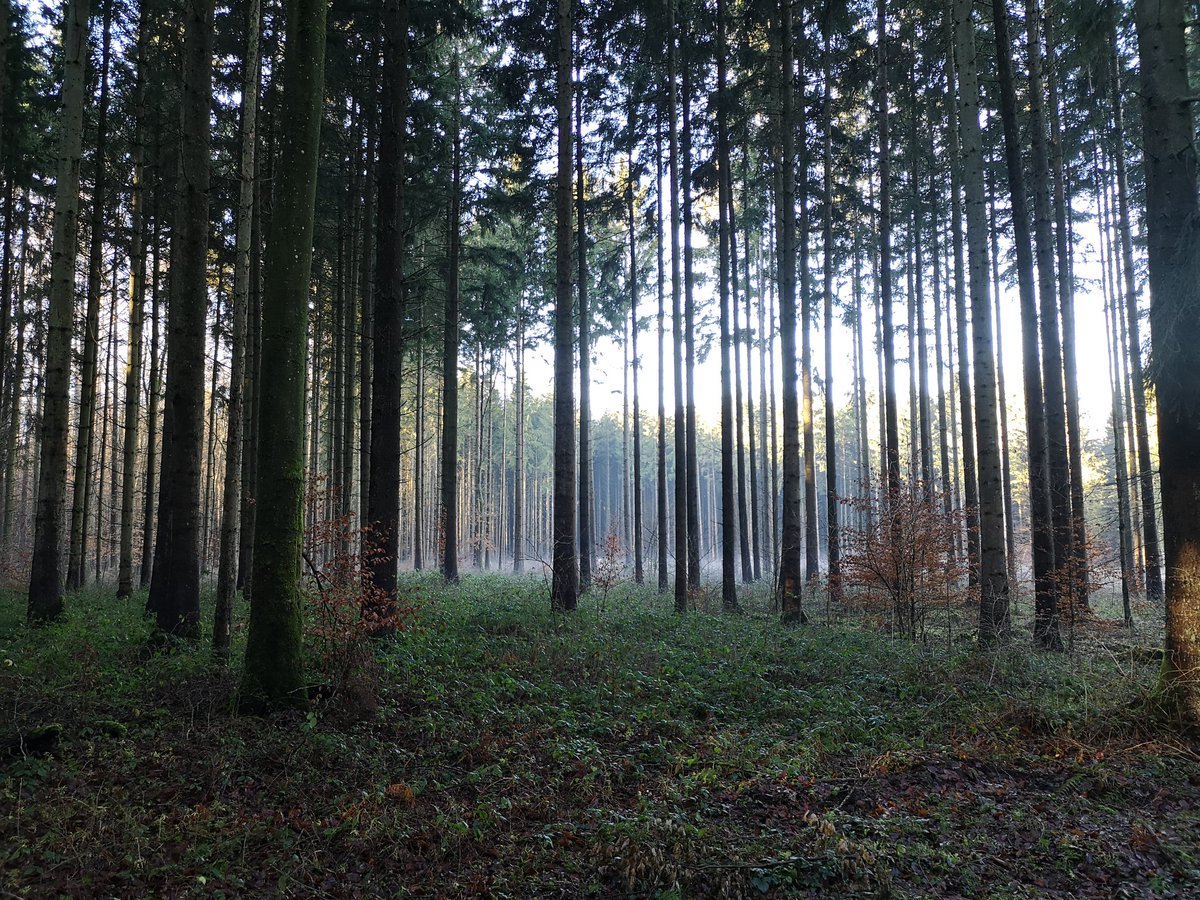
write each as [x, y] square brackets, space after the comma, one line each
[497, 749]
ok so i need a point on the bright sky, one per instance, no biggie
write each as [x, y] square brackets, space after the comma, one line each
[1094, 387]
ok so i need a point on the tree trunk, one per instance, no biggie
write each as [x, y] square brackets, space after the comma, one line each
[231, 499]
[1058, 465]
[833, 543]
[383, 492]
[961, 328]
[450, 339]
[661, 469]
[728, 523]
[46, 571]
[586, 536]
[691, 466]
[1066, 301]
[885, 259]
[636, 481]
[682, 517]
[1041, 522]
[993, 572]
[565, 585]
[81, 494]
[137, 301]
[274, 668]
[789, 585]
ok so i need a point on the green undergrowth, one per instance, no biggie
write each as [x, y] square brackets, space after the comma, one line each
[618, 751]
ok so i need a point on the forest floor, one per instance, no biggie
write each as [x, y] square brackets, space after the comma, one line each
[495, 749]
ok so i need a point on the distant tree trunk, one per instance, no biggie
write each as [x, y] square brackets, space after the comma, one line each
[885, 258]
[661, 470]
[81, 495]
[993, 573]
[812, 564]
[145, 570]
[45, 580]
[418, 511]
[961, 327]
[274, 668]
[1010, 542]
[1046, 631]
[518, 552]
[918, 302]
[789, 585]
[231, 497]
[691, 467]
[1110, 290]
[564, 589]
[450, 339]
[137, 304]
[831, 486]
[1066, 300]
[728, 523]
[368, 253]
[383, 492]
[739, 412]
[636, 482]
[756, 533]
[586, 537]
[682, 523]
[1145, 465]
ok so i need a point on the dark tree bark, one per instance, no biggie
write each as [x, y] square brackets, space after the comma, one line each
[450, 339]
[1046, 590]
[789, 584]
[728, 523]
[137, 304]
[231, 498]
[564, 589]
[962, 335]
[682, 523]
[586, 511]
[274, 668]
[831, 483]
[383, 492]
[81, 495]
[175, 583]
[993, 572]
[1173, 226]
[1058, 465]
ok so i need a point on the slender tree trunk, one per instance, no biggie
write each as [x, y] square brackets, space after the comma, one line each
[728, 523]
[885, 258]
[1046, 631]
[661, 470]
[789, 585]
[1066, 301]
[146, 568]
[1145, 466]
[137, 303]
[383, 492]
[961, 328]
[1058, 465]
[812, 557]
[993, 573]
[831, 485]
[81, 495]
[586, 536]
[231, 500]
[636, 481]
[274, 668]
[564, 589]
[450, 339]
[691, 467]
[682, 523]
